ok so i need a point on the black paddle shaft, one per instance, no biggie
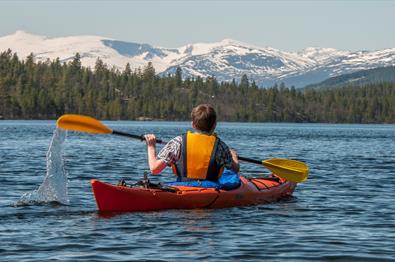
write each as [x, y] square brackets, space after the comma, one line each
[160, 141]
[246, 159]
[139, 137]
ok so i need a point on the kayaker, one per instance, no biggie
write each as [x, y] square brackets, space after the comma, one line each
[198, 155]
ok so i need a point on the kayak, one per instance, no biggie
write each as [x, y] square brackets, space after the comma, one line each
[252, 191]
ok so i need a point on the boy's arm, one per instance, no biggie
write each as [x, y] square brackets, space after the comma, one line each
[235, 161]
[155, 165]
[227, 157]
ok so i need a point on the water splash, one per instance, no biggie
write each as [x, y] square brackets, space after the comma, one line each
[54, 187]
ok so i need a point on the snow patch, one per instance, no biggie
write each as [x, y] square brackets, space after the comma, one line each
[226, 59]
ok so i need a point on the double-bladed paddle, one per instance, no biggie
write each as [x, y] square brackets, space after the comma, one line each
[290, 170]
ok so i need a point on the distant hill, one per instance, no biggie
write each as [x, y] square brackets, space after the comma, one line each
[363, 77]
[225, 60]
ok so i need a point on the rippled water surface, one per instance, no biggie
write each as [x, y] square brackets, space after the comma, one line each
[345, 211]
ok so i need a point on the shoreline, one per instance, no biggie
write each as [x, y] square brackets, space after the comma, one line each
[187, 121]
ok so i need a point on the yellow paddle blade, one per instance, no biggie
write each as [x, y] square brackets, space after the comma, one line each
[290, 170]
[82, 123]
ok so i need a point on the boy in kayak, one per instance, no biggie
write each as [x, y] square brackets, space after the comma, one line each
[200, 155]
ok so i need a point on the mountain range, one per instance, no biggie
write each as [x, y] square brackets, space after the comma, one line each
[359, 78]
[226, 60]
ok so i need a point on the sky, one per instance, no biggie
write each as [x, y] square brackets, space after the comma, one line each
[286, 25]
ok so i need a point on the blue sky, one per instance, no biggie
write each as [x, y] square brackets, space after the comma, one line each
[287, 25]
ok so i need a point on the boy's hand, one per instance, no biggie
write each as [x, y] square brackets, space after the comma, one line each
[150, 140]
[234, 154]
[235, 161]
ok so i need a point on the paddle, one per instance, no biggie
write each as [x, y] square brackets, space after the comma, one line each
[290, 170]
[88, 124]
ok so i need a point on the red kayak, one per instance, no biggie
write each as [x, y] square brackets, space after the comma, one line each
[129, 199]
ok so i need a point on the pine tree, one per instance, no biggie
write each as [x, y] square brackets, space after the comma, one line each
[244, 82]
[178, 77]
[30, 89]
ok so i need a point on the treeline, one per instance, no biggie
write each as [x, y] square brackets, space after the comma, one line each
[46, 90]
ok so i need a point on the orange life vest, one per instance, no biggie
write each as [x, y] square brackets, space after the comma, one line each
[198, 158]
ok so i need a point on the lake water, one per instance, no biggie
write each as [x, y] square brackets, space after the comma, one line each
[345, 211]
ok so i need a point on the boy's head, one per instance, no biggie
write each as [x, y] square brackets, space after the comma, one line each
[204, 118]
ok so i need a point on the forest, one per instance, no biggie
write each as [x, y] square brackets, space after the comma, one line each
[46, 90]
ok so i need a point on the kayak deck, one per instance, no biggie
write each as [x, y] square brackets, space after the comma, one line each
[129, 199]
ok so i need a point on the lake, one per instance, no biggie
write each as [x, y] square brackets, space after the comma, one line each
[345, 211]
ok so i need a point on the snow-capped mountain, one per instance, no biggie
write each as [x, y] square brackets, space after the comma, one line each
[226, 60]
[112, 52]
